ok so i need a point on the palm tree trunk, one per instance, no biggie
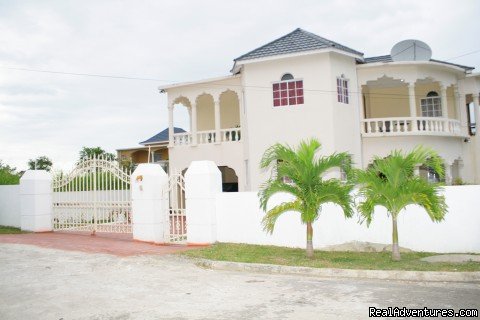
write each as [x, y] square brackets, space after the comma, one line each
[309, 240]
[395, 247]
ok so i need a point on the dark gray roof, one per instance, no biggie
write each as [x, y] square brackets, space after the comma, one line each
[161, 136]
[297, 41]
[388, 58]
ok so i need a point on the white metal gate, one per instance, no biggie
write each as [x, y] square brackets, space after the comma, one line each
[176, 222]
[94, 196]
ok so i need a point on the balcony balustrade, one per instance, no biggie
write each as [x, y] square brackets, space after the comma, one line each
[375, 127]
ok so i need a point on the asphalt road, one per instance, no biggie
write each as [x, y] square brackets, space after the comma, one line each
[40, 283]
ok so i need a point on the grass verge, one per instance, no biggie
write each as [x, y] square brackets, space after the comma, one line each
[324, 259]
[9, 230]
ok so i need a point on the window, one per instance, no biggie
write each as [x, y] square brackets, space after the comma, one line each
[431, 105]
[342, 89]
[472, 126]
[288, 91]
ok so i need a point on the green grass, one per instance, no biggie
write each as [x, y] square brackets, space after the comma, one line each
[9, 230]
[324, 259]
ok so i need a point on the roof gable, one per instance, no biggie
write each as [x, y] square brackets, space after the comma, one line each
[298, 40]
[161, 136]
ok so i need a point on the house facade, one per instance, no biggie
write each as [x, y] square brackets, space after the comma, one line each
[302, 85]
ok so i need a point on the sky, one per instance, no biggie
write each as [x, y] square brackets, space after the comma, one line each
[56, 115]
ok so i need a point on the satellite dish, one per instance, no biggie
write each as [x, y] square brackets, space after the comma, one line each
[411, 50]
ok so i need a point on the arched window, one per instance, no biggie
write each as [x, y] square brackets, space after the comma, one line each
[431, 105]
[287, 91]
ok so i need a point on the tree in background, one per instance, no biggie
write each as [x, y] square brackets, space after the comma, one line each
[40, 163]
[391, 182]
[8, 175]
[300, 173]
[87, 153]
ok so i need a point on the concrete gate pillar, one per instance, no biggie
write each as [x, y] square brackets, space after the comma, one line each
[36, 201]
[203, 181]
[149, 202]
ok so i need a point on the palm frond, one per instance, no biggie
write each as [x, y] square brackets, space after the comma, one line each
[272, 215]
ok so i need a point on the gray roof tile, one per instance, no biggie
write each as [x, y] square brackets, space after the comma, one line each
[388, 58]
[161, 136]
[297, 41]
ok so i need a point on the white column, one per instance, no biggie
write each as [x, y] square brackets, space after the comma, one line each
[476, 108]
[361, 109]
[413, 105]
[203, 181]
[149, 202]
[217, 122]
[448, 174]
[443, 97]
[36, 201]
[170, 126]
[194, 123]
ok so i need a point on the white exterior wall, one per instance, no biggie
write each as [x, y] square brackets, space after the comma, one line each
[10, 206]
[346, 117]
[318, 117]
[225, 154]
[239, 221]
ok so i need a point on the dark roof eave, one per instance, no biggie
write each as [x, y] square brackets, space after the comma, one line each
[388, 59]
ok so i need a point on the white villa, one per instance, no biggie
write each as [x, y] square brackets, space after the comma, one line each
[302, 85]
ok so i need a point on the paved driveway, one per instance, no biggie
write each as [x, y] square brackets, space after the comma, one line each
[45, 283]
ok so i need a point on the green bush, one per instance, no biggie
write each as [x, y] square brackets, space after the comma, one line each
[8, 175]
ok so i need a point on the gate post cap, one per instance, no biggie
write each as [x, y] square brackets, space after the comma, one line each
[202, 167]
[148, 169]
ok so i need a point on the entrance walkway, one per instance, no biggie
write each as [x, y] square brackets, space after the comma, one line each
[109, 243]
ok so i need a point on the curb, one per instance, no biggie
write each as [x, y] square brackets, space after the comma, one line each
[429, 276]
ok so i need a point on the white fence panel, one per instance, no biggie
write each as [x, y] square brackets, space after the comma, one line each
[10, 205]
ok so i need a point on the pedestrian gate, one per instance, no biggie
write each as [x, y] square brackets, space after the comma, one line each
[176, 222]
[94, 196]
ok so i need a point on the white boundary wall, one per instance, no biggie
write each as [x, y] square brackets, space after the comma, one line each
[10, 205]
[239, 221]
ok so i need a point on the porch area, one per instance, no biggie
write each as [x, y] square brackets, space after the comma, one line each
[426, 107]
[214, 115]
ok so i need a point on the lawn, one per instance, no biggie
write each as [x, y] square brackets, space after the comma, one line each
[324, 259]
[9, 230]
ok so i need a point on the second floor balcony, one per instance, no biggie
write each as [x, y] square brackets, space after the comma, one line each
[426, 107]
[214, 113]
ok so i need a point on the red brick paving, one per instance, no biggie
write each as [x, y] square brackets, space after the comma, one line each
[109, 243]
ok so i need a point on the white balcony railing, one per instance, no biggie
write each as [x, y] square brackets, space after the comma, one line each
[182, 139]
[207, 137]
[410, 126]
[232, 134]
[204, 137]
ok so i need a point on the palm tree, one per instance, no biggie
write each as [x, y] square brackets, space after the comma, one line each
[391, 182]
[300, 173]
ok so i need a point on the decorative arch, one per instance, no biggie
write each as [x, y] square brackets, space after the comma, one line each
[205, 112]
[229, 179]
[182, 113]
[229, 109]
